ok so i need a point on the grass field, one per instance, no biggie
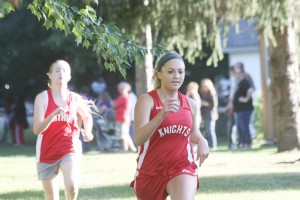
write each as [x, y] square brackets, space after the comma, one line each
[256, 174]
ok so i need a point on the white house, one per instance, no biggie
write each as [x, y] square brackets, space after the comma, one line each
[243, 46]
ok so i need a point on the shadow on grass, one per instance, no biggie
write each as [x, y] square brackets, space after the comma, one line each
[23, 195]
[250, 182]
[28, 149]
[7, 150]
[105, 192]
[253, 149]
[290, 162]
[214, 185]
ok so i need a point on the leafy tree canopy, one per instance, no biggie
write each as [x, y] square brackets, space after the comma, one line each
[5, 7]
[204, 22]
[195, 24]
[187, 26]
[116, 48]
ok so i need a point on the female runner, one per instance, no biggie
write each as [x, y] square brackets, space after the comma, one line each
[164, 127]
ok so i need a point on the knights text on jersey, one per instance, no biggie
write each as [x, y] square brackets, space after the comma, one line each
[62, 135]
[168, 150]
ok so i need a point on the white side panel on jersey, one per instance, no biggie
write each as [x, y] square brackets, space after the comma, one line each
[38, 147]
[142, 156]
[190, 157]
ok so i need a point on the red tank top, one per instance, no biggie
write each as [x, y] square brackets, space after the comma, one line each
[168, 149]
[62, 135]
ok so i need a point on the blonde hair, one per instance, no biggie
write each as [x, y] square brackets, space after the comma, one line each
[90, 104]
[155, 80]
[209, 84]
[161, 61]
[193, 86]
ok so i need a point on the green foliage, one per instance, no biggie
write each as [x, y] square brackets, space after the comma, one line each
[258, 120]
[5, 8]
[22, 42]
[190, 27]
[117, 50]
[259, 173]
[196, 24]
[28, 49]
[193, 25]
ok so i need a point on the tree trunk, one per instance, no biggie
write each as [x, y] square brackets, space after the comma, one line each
[267, 108]
[285, 89]
[15, 3]
[143, 74]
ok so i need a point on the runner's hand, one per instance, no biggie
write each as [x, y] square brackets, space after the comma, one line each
[202, 151]
[87, 137]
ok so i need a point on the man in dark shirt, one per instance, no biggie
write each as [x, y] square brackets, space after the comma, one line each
[243, 106]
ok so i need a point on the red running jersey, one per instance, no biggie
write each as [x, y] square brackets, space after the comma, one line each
[62, 135]
[168, 150]
[122, 109]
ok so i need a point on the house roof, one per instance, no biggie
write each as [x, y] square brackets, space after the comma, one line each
[246, 37]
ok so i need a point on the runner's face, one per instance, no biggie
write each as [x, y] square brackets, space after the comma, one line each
[60, 74]
[172, 74]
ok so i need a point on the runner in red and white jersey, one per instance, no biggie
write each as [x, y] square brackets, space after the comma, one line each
[165, 124]
[62, 135]
[56, 124]
[169, 148]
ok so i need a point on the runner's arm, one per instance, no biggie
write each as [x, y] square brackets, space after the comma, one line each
[143, 127]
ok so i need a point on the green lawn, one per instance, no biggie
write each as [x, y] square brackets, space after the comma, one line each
[255, 174]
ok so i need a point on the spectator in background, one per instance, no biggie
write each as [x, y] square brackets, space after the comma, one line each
[85, 93]
[122, 116]
[105, 125]
[231, 124]
[133, 99]
[9, 102]
[98, 86]
[104, 102]
[192, 92]
[250, 80]
[209, 111]
[243, 105]
[19, 121]
[240, 65]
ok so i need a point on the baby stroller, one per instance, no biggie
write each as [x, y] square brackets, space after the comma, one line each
[105, 132]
